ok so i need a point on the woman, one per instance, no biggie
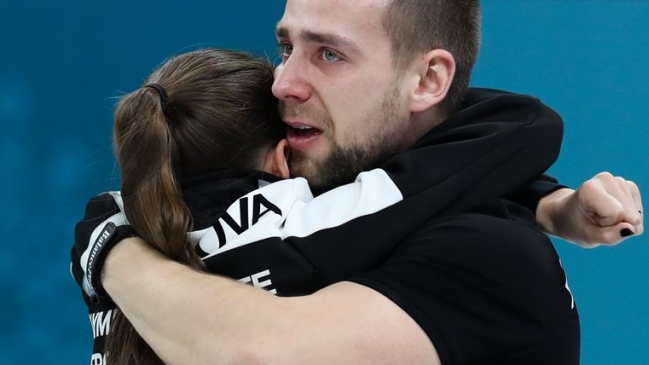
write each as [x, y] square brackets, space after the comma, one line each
[201, 150]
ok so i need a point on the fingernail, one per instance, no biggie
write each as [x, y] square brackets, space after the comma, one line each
[626, 232]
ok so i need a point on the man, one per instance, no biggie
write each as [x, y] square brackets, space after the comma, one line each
[353, 94]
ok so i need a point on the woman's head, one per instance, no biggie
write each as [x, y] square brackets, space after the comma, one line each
[220, 113]
[199, 112]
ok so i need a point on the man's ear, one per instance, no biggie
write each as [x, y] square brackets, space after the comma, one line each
[277, 163]
[435, 70]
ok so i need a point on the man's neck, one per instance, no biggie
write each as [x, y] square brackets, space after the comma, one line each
[422, 123]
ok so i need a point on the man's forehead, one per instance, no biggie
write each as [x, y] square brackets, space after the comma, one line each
[339, 17]
[319, 5]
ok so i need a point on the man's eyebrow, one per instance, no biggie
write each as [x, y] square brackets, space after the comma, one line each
[324, 38]
[281, 32]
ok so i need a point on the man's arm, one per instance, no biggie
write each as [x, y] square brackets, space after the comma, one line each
[604, 210]
[210, 319]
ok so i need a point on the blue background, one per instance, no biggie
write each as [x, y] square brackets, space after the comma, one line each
[62, 64]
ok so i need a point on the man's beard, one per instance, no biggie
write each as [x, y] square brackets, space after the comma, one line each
[341, 166]
[344, 163]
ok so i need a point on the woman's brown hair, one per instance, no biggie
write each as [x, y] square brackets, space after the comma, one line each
[198, 112]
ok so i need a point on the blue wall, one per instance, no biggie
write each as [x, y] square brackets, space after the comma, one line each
[62, 64]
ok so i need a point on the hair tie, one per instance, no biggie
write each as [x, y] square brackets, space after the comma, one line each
[164, 97]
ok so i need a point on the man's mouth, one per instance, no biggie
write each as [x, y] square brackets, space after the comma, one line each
[302, 131]
[302, 136]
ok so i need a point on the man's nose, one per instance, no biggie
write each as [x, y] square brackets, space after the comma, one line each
[291, 80]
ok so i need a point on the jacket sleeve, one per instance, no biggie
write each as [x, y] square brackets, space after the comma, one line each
[100, 315]
[100, 321]
[532, 193]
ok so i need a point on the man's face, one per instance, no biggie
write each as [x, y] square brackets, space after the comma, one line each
[339, 92]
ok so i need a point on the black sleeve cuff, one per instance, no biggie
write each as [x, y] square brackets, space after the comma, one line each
[531, 194]
[106, 240]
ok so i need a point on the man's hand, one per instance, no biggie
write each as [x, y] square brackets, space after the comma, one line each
[103, 225]
[604, 210]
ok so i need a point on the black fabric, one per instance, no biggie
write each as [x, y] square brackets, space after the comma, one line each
[108, 238]
[529, 195]
[486, 286]
[98, 209]
[100, 313]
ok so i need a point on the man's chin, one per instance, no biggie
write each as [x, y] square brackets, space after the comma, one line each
[300, 166]
[325, 174]
[312, 172]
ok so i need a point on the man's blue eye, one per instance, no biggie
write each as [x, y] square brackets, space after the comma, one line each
[330, 56]
[287, 49]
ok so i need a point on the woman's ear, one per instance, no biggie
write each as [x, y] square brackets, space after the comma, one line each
[277, 161]
[436, 73]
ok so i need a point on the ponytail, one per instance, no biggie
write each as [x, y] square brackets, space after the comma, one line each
[153, 201]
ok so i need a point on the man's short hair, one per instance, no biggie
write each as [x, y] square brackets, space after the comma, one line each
[418, 26]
